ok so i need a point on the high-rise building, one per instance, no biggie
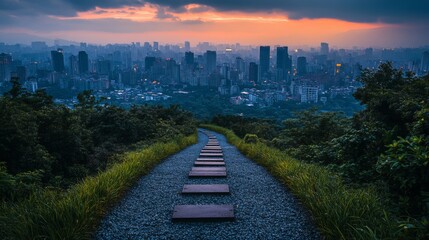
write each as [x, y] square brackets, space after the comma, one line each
[264, 61]
[5, 67]
[103, 67]
[324, 48]
[283, 63]
[253, 72]
[57, 60]
[74, 65]
[187, 46]
[155, 46]
[83, 62]
[148, 63]
[425, 62]
[210, 61]
[239, 65]
[189, 58]
[301, 67]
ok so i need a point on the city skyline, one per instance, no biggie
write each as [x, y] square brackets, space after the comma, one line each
[272, 22]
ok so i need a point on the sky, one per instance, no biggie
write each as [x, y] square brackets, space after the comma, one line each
[300, 23]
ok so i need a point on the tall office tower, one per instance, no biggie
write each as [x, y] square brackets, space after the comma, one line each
[83, 62]
[264, 61]
[57, 60]
[301, 67]
[210, 61]
[425, 62]
[5, 67]
[283, 63]
[148, 63]
[253, 72]
[324, 48]
[239, 65]
[187, 46]
[172, 71]
[189, 58]
[155, 46]
[74, 65]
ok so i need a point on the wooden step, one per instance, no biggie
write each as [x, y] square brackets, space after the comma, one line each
[212, 148]
[211, 154]
[205, 169]
[207, 174]
[210, 159]
[211, 151]
[205, 188]
[201, 163]
[203, 212]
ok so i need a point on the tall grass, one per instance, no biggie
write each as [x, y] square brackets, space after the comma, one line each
[75, 213]
[340, 212]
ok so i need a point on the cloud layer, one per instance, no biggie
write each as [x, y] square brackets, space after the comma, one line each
[386, 11]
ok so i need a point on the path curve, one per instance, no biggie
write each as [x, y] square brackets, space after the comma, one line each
[263, 208]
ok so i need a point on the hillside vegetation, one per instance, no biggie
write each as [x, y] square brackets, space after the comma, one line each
[383, 148]
[61, 169]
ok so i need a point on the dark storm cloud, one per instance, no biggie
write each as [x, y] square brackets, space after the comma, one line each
[388, 11]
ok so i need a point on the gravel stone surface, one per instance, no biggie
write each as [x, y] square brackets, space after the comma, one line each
[263, 208]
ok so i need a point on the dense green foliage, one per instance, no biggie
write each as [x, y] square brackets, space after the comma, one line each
[205, 103]
[75, 213]
[384, 146]
[340, 212]
[46, 144]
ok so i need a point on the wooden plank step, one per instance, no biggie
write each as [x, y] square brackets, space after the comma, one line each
[201, 163]
[203, 212]
[212, 144]
[205, 169]
[211, 151]
[212, 137]
[211, 154]
[206, 174]
[210, 159]
[205, 188]
[212, 147]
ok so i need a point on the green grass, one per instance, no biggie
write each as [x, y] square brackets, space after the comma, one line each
[76, 213]
[340, 212]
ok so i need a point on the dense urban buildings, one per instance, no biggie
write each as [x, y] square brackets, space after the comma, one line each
[256, 76]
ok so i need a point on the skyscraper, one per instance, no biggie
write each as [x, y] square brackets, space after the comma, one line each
[264, 61]
[324, 48]
[187, 46]
[253, 72]
[155, 46]
[74, 65]
[283, 63]
[57, 60]
[83, 62]
[5, 67]
[189, 58]
[148, 63]
[210, 61]
[301, 67]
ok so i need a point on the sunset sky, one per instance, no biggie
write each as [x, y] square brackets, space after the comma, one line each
[342, 23]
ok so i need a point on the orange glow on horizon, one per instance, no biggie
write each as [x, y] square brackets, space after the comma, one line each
[210, 25]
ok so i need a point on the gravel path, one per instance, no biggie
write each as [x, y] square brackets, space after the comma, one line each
[263, 208]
